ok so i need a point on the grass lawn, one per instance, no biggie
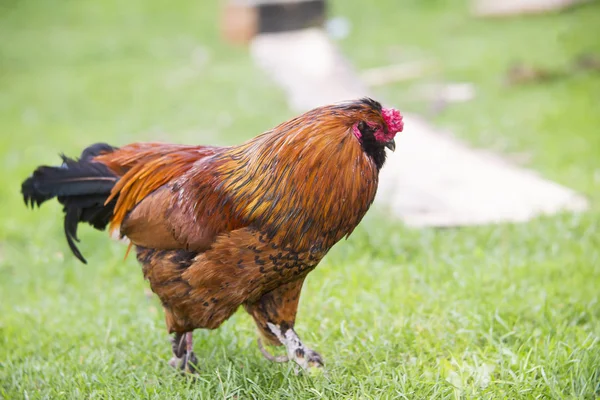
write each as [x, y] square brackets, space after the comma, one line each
[507, 311]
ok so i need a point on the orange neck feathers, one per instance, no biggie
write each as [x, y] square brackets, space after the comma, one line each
[306, 183]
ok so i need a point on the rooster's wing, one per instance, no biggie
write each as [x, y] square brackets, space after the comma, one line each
[152, 210]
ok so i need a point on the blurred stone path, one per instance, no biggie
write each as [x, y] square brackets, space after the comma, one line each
[432, 179]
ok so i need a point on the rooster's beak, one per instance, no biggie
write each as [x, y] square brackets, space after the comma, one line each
[391, 145]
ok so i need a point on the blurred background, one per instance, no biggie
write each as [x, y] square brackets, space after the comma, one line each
[504, 310]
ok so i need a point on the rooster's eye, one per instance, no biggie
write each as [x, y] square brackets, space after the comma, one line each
[367, 129]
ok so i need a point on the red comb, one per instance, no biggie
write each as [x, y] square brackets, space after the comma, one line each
[393, 119]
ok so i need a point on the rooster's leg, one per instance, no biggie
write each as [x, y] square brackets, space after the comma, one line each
[183, 354]
[296, 350]
[275, 315]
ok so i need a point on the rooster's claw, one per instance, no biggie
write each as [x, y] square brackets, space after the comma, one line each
[187, 364]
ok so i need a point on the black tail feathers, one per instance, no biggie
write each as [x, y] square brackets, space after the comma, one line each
[81, 186]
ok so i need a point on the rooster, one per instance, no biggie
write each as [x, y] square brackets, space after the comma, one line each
[216, 228]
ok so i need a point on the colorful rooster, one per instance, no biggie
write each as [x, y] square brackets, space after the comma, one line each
[216, 228]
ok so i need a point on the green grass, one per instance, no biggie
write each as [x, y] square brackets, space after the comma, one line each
[507, 311]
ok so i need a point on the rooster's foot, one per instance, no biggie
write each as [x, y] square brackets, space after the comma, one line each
[188, 363]
[269, 356]
[300, 354]
[184, 358]
[310, 359]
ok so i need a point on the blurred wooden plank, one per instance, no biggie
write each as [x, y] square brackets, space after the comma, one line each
[434, 179]
[396, 73]
[431, 179]
[308, 66]
[506, 8]
[243, 19]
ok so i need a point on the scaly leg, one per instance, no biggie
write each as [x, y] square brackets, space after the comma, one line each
[275, 315]
[183, 354]
[296, 350]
